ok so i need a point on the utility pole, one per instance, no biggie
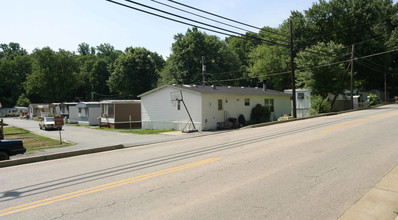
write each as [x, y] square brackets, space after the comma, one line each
[203, 71]
[385, 87]
[352, 77]
[292, 70]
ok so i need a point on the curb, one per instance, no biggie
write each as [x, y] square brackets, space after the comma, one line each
[58, 155]
[310, 117]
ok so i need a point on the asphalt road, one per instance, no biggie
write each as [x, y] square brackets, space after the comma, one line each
[311, 169]
[86, 138]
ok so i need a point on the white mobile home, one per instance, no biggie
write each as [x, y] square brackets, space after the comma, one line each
[89, 113]
[13, 112]
[303, 102]
[70, 112]
[209, 106]
[39, 110]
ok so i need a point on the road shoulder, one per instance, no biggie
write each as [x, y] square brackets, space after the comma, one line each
[381, 202]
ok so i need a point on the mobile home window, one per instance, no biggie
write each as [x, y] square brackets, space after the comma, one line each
[269, 103]
[106, 110]
[220, 105]
[247, 102]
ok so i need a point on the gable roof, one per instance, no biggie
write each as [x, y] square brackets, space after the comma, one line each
[87, 104]
[120, 102]
[220, 90]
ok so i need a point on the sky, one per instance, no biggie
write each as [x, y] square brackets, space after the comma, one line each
[64, 24]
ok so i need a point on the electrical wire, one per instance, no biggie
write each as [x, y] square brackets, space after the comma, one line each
[345, 29]
[246, 38]
[375, 68]
[376, 54]
[179, 9]
[225, 18]
[193, 25]
[192, 20]
[233, 26]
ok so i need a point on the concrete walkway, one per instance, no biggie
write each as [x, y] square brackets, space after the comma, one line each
[381, 202]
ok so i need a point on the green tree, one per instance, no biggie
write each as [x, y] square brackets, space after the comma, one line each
[84, 49]
[368, 24]
[11, 50]
[319, 104]
[23, 101]
[108, 52]
[266, 60]
[135, 72]
[13, 72]
[315, 72]
[54, 76]
[185, 62]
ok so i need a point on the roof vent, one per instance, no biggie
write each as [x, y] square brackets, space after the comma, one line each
[264, 85]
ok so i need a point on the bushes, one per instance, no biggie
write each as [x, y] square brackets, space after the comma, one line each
[319, 105]
[372, 99]
[260, 114]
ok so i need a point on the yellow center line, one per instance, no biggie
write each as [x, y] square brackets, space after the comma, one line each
[111, 185]
[359, 121]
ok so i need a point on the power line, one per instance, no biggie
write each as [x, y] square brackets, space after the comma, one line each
[375, 68]
[194, 25]
[192, 20]
[376, 54]
[172, 14]
[225, 18]
[348, 28]
[178, 16]
[179, 9]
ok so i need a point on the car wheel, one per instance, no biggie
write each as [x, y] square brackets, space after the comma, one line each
[40, 127]
[4, 155]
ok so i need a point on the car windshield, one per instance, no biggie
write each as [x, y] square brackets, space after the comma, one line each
[49, 119]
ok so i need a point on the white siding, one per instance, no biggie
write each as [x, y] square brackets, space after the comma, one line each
[157, 111]
[302, 105]
[234, 105]
[94, 113]
[73, 114]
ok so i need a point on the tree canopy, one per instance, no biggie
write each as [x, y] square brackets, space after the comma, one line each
[184, 66]
[323, 37]
[135, 72]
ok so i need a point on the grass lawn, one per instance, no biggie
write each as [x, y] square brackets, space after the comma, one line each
[135, 130]
[32, 141]
[149, 131]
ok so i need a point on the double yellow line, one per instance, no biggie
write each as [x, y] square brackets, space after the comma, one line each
[111, 185]
[359, 121]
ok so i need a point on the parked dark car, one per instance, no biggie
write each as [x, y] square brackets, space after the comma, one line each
[11, 147]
